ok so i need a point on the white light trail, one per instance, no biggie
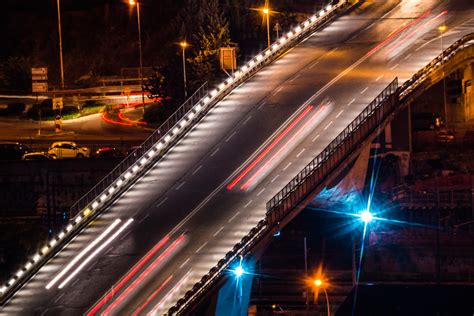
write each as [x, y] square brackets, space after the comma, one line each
[95, 253]
[82, 254]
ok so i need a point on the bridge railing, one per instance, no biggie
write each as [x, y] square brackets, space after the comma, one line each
[133, 166]
[280, 204]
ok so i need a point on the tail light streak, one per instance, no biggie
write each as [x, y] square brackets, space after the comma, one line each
[270, 147]
[172, 292]
[152, 296]
[143, 275]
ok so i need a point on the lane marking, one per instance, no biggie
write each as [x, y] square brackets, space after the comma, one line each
[395, 66]
[248, 203]
[59, 297]
[197, 169]
[295, 77]
[352, 101]
[144, 217]
[286, 167]
[202, 246]
[261, 191]
[215, 152]
[217, 232]
[276, 177]
[233, 217]
[230, 136]
[186, 261]
[317, 136]
[365, 89]
[278, 90]
[162, 201]
[180, 185]
[313, 65]
[327, 126]
[301, 151]
[407, 56]
[380, 77]
[247, 119]
[339, 114]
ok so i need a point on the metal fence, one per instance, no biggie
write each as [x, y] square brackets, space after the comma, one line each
[344, 144]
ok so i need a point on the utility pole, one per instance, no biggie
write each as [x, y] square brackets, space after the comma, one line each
[306, 273]
[60, 46]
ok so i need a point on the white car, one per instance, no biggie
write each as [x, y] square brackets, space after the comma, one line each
[68, 150]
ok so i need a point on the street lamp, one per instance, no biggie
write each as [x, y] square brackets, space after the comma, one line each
[442, 29]
[183, 45]
[60, 45]
[266, 13]
[320, 284]
[132, 3]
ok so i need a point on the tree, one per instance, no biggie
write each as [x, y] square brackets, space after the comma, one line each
[15, 74]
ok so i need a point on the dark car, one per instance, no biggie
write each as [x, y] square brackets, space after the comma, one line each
[108, 153]
[13, 151]
[38, 156]
[445, 137]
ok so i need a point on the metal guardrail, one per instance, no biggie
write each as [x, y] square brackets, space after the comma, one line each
[331, 156]
[287, 197]
[109, 188]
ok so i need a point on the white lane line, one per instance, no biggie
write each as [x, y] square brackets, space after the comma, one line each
[352, 101]
[202, 246]
[180, 185]
[186, 261]
[248, 203]
[327, 126]
[230, 136]
[276, 177]
[233, 217]
[395, 66]
[143, 218]
[313, 65]
[215, 152]
[278, 90]
[59, 297]
[339, 114]
[261, 105]
[295, 77]
[247, 119]
[218, 231]
[286, 167]
[317, 136]
[301, 151]
[332, 51]
[260, 192]
[197, 169]
[162, 201]
[365, 89]
[380, 77]
[407, 56]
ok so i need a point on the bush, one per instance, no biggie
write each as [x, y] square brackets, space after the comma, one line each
[47, 113]
[15, 108]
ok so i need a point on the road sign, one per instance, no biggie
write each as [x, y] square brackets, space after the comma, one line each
[57, 103]
[39, 77]
[39, 71]
[40, 86]
[227, 58]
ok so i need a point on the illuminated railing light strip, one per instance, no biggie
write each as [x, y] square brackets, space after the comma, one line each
[95, 253]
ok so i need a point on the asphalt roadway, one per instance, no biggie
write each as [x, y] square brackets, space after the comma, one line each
[185, 215]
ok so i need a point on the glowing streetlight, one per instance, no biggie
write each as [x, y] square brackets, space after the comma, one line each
[133, 3]
[266, 13]
[60, 45]
[320, 284]
[183, 45]
[366, 216]
[239, 271]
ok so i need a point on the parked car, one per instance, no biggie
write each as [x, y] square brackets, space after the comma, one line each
[445, 137]
[68, 150]
[108, 153]
[40, 155]
[13, 151]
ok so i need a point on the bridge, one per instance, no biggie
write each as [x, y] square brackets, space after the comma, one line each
[236, 163]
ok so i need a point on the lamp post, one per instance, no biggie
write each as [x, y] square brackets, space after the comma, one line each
[60, 45]
[442, 29]
[183, 45]
[266, 13]
[132, 3]
[320, 284]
